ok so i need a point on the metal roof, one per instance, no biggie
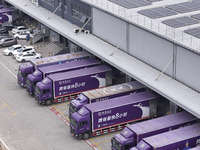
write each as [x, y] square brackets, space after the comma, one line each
[166, 86]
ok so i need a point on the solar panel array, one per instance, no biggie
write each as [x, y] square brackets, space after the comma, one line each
[196, 16]
[158, 12]
[154, 0]
[185, 6]
[131, 3]
[180, 22]
[194, 32]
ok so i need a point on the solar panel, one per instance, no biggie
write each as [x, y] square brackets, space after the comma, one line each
[154, 0]
[131, 3]
[180, 22]
[196, 16]
[157, 12]
[194, 32]
[185, 6]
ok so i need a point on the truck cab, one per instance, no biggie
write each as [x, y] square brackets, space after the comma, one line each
[80, 124]
[43, 92]
[23, 71]
[32, 80]
[123, 141]
[77, 103]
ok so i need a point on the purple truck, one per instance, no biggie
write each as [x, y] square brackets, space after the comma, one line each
[179, 139]
[66, 86]
[112, 115]
[43, 72]
[133, 134]
[29, 67]
[102, 94]
[6, 14]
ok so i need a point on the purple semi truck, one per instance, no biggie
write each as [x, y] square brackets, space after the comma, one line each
[112, 115]
[43, 72]
[179, 139]
[29, 67]
[66, 86]
[133, 134]
[6, 14]
[105, 93]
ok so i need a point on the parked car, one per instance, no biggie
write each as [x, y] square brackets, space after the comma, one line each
[19, 29]
[8, 51]
[7, 41]
[27, 56]
[23, 49]
[3, 30]
[23, 35]
[8, 25]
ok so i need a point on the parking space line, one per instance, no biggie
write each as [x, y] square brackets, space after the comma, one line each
[6, 105]
[8, 69]
[96, 144]
[103, 142]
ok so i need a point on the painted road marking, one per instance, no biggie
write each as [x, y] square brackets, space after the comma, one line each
[66, 121]
[8, 70]
[3, 106]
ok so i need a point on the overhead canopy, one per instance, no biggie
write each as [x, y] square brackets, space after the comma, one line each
[175, 91]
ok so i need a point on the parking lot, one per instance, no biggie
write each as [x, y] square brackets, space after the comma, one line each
[26, 122]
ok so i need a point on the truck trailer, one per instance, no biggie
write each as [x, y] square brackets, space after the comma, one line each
[112, 115]
[66, 86]
[179, 139]
[133, 134]
[43, 72]
[29, 67]
[105, 93]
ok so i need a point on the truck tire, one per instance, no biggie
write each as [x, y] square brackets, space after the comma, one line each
[48, 102]
[86, 135]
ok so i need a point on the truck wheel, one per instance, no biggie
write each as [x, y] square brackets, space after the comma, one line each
[48, 102]
[86, 135]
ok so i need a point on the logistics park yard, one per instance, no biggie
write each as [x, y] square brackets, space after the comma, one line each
[27, 125]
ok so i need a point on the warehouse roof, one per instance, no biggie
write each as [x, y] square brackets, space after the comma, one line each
[165, 85]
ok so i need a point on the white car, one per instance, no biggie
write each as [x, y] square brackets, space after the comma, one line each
[23, 35]
[19, 29]
[9, 51]
[23, 49]
[27, 56]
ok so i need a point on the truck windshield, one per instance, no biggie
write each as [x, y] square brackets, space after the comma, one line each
[73, 122]
[116, 144]
[28, 82]
[37, 90]
[20, 73]
[72, 108]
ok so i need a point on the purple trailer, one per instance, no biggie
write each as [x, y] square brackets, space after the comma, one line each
[29, 67]
[179, 139]
[102, 94]
[6, 14]
[112, 115]
[43, 72]
[133, 134]
[66, 86]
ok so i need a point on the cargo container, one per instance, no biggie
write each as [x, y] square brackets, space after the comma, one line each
[102, 94]
[133, 134]
[179, 139]
[29, 67]
[43, 72]
[112, 115]
[66, 86]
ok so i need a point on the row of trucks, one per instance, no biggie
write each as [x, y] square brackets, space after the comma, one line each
[101, 108]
